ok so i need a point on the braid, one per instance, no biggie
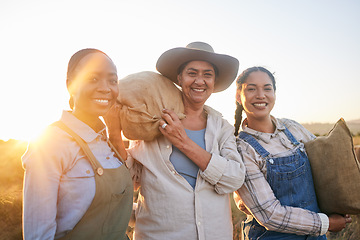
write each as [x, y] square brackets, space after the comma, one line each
[238, 117]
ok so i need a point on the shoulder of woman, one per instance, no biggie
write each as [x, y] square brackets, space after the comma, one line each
[53, 143]
[244, 146]
[297, 128]
[247, 152]
[217, 118]
[212, 112]
[289, 122]
[53, 136]
[143, 150]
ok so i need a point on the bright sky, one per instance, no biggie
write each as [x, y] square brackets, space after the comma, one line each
[312, 46]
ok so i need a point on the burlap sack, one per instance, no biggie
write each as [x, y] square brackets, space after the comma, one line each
[336, 171]
[142, 97]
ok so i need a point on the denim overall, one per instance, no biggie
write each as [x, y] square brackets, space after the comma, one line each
[291, 180]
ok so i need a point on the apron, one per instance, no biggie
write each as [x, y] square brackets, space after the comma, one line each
[109, 213]
[290, 178]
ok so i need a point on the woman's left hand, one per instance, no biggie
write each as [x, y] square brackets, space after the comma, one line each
[112, 119]
[113, 123]
[338, 222]
[172, 128]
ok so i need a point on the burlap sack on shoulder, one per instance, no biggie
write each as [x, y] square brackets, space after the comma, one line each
[142, 96]
[336, 171]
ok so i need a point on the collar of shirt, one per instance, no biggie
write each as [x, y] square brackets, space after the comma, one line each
[266, 137]
[81, 128]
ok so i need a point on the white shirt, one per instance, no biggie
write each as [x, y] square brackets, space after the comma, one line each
[168, 206]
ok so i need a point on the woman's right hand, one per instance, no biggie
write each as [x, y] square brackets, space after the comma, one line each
[174, 130]
[338, 222]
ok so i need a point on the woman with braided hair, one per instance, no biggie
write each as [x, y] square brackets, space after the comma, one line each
[278, 194]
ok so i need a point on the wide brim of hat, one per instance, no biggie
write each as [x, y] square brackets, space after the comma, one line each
[170, 61]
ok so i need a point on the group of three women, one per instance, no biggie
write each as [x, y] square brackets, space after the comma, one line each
[79, 185]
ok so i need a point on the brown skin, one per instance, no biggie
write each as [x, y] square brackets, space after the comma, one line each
[197, 81]
[94, 89]
[257, 96]
[175, 133]
[113, 123]
[338, 222]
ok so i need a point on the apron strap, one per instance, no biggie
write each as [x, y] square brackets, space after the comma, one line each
[94, 163]
[116, 152]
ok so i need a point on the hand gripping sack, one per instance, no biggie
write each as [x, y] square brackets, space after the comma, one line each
[142, 97]
[336, 171]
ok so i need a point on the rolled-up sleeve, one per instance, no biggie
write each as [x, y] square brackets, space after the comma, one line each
[226, 170]
[259, 198]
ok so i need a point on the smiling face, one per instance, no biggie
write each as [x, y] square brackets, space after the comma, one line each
[94, 89]
[257, 96]
[197, 81]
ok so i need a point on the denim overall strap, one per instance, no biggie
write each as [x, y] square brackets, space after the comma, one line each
[254, 143]
[291, 180]
[291, 137]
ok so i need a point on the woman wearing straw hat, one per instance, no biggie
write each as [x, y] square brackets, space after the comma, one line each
[186, 175]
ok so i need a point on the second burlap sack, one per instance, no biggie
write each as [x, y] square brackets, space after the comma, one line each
[142, 97]
[336, 171]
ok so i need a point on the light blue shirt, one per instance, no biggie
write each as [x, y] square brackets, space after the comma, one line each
[182, 164]
[59, 181]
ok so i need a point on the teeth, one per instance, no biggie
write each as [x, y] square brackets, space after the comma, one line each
[101, 100]
[259, 104]
[198, 90]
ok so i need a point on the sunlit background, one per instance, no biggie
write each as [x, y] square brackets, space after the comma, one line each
[312, 46]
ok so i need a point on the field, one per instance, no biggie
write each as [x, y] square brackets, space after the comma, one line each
[11, 177]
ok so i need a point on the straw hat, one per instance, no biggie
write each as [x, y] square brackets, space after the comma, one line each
[227, 66]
